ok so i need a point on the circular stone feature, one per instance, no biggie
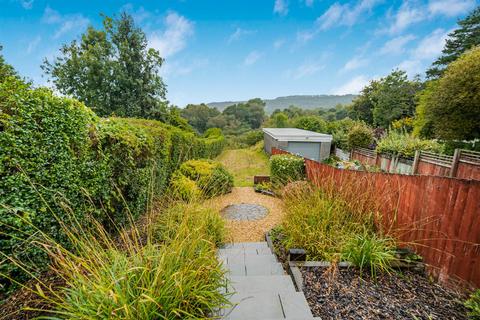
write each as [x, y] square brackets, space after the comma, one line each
[244, 211]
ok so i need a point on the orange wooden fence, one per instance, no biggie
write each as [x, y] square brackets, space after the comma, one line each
[438, 216]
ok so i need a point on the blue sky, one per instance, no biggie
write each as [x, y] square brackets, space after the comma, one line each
[239, 49]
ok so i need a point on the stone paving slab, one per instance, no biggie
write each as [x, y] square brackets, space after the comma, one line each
[253, 284]
[295, 306]
[255, 245]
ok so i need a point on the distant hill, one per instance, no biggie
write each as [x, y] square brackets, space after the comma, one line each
[324, 101]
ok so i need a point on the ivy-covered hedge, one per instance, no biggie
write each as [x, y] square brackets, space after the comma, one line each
[59, 161]
[285, 168]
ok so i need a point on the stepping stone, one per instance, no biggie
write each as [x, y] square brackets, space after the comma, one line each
[254, 306]
[254, 245]
[295, 306]
[257, 268]
[254, 284]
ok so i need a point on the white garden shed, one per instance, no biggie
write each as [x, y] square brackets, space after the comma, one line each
[308, 144]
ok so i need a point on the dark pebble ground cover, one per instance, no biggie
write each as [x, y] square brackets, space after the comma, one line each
[344, 294]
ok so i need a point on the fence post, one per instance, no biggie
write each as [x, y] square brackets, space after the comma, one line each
[455, 160]
[415, 162]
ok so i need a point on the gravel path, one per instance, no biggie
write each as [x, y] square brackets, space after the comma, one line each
[254, 230]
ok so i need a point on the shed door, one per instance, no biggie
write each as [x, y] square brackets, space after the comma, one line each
[310, 150]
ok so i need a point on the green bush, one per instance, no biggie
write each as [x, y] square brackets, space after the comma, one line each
[210, 177]
[473, 304]
[311, 123]
[360, 135]
[252, 137]
[184, 188]
[285, 168]
[371, 252]
[57, 156]
[405, 144]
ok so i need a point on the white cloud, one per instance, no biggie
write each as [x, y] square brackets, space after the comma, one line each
[68, 22]
[138, 15]
[309, 3]
[345, 14]
[32, 45]
[27, 4]
[406, 15]
[396, 45]
[280, 7]
[450, 8]
[173, 69]
[278, 43]
[431, 46]
[354, 86]
[239, 33]
[306, 69]
[411, 66]
[252, 58]
[174, 38]
[354, 63]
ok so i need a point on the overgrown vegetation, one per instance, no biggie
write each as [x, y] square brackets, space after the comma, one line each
[57, 153]
[473, 304]
[401, 143]
[168, 271]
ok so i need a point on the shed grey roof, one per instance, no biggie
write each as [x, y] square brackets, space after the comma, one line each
[294, 134]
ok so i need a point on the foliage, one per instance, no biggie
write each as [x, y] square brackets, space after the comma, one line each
[112, 71]
[285, 168]
[369, 251]
[362, 106]
[473, 304]
[450, 107]
[320, 222]
[279, 120]
[198, 115]
[360, 135]
[6, 70]
[458, 41]
[251, 113]
[173, 273]
[311, 123]
[394, 98]
[405, 124]
[58, 157]
[253, 137]
[339, 130]
[210, 177]
[184, 188]
[404, 144]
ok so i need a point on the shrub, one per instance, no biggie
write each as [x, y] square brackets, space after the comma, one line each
[184, 188]
[320, 223]
[210, 177]
[172, 274]
[360, 135]
[285, 168]
[371, 252]
[311, 123]
[405, 144]
[473, 304]
[252, 137]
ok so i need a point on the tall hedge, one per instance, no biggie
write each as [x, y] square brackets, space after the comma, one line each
[58, 160]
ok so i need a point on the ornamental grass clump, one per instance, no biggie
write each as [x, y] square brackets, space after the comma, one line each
[171, 272]
[320, 223]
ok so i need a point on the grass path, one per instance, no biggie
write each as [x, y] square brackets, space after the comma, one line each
[244, 164]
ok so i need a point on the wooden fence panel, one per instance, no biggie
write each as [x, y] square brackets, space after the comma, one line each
[437, 216]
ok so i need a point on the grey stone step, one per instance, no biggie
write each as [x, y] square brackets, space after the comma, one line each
[247, 259]
[254, 268]
[245, 251]
[252, 284]
[263, 306]
[254, 245]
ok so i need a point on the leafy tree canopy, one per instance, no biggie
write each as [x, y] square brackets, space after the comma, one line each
[460, 40]
[279, 120]
[112, 71]
[311, 123]
[198, 115]
[449, 108]
[6, 70]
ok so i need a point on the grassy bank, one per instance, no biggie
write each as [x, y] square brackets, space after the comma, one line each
[244, 164]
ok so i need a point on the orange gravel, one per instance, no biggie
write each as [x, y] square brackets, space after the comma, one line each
[245, 231]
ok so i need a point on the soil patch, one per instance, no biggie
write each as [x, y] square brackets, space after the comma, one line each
[345, 294]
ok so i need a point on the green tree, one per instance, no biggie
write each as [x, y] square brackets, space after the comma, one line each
[112, 71]
[251, 113]
[450, 106]
[360, 135]
[279, 120]
[362, 106]
[460, 40]
[394, 97]
[311, 123]
[6, 70]
[198, 115]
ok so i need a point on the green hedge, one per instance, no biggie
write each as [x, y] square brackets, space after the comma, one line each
[58, 160]
[285, 168]
[404, 144]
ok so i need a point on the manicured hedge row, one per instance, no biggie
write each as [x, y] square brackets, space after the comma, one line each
[59, 161]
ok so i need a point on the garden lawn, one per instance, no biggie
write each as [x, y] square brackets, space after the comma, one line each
[244, 164]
